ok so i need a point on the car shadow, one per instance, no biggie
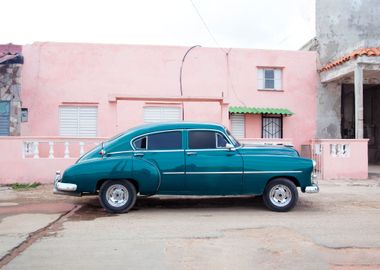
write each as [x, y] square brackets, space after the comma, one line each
[91, 209]
[182, 202]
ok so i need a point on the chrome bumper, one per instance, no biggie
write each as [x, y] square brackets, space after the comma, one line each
[62, 188]
[314, 188]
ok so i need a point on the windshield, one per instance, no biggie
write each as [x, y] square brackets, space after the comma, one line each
[232, 138]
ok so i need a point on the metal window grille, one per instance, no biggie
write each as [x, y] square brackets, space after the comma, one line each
[271, 127]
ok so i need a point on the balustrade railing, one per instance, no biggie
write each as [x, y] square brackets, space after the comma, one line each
[58, 148]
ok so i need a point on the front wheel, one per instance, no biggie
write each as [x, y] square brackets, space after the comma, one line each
[280, 195]
[117, 196]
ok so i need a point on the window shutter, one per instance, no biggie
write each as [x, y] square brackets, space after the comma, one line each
[157, 114]
[87, 121]
[238, 125]
[260, 78]
[4, 118]
[78, 121]
[278, 79]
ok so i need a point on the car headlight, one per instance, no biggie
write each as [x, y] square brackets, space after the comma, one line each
[314, 164]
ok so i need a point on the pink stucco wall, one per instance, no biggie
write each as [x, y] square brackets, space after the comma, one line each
[353, 165]
[60, 73]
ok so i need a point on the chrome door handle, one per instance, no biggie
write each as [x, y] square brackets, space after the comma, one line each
[138, 154]
[191, 153]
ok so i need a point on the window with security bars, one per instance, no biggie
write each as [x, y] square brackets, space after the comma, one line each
[271, 127]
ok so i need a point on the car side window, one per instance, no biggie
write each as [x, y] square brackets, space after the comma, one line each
[165, 141]
[140, 144]
[202, 140]
[221, 141]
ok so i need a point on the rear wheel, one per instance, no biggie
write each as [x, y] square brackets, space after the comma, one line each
[280, 195]
[117, 196]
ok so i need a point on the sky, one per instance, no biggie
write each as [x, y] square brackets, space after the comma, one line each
[269, 24]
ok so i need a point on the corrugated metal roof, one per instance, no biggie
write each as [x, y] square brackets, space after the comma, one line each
[255, 110]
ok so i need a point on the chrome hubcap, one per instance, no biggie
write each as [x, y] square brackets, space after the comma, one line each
[117, 195]
[280, 195]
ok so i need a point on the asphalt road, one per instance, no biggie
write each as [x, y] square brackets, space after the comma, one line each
[339, 228]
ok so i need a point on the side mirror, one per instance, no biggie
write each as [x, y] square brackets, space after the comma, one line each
[230, 147]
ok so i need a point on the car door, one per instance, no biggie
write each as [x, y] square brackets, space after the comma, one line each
[211, 168]
[165, 150]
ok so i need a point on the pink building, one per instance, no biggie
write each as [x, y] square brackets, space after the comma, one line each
[100, 90]
[75, 95]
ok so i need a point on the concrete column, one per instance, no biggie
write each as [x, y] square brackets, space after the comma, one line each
[359, 116]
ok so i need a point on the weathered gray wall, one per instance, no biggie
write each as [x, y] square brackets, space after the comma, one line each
[341, 27]
[344, 25]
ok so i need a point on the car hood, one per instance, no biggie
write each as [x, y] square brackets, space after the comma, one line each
[267, 150]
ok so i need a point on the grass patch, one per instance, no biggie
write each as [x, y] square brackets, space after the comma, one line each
[22, 186]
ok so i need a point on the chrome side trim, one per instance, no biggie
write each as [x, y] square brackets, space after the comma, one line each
[120, 152]
[259, 172]
[160, 151]
[145, 151]
[169, 173]
[233, 172]
[266, 155]
[246, 172]
[214, 172]
[207, 149]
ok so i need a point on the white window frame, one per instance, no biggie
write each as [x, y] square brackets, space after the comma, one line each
[81, 127]
[277, 78]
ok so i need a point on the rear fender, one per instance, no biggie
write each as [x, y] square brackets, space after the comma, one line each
[147, 175]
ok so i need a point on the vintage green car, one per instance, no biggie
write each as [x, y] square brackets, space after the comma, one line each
[186, 159]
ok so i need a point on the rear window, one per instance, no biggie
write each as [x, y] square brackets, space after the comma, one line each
[140, 143]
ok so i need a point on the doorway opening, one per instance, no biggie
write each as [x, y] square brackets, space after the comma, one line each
[371, 101]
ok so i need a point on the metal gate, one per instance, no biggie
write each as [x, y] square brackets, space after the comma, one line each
[4, 118]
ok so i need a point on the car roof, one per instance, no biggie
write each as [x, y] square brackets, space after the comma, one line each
[134, 132]
[146, 128]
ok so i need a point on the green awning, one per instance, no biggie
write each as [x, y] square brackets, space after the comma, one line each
[254, 110]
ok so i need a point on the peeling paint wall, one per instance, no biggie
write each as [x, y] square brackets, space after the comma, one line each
[341, 27]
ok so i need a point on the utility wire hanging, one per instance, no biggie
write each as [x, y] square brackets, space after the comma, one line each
[207, 28]
[227, 53]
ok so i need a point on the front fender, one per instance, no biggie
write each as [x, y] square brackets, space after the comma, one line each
[259, 169]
